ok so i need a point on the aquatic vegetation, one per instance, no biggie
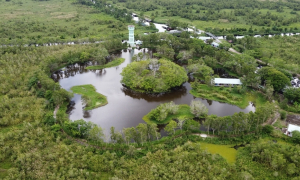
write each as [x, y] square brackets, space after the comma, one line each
[226, 151]
[92, 98]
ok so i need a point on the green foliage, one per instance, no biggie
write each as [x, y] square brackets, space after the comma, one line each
[201, 69]
[276, 78]
[47, 22]
[283, 115]
[55, 127]
[170, 128]
[225, 94]
[292, 94]
[49, 119]
[92, 98]
[267, 129]
[191, 125]
[221, 18]
[160, 76]
[79, 128]
[276, 157]
[296, 137]
[163, 113]
[280, 52]
[198, 109]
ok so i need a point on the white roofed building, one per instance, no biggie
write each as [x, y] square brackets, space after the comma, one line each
[226, 82]
[291, 128]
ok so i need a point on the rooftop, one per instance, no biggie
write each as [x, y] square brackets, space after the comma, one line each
[215, 44]
[227, 81]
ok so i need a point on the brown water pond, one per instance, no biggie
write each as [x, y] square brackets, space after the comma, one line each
[126, 108]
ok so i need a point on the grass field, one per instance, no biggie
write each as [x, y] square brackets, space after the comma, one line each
[27, 21]
[183, 111]
[90, 96]
[226, 151]
[224, 94]
[113, 63]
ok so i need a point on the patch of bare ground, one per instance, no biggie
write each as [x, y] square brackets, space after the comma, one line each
[224, 20]
[272, 119]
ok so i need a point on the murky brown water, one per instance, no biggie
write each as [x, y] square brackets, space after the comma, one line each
[126, 108]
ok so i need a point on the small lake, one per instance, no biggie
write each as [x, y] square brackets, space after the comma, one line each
[126, 108]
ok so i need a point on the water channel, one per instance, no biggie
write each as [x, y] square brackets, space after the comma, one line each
[126, 108]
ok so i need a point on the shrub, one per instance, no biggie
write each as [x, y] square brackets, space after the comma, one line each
[163, 110]
[198, 108]
[283, 115]
[296, 137]
[267, 129]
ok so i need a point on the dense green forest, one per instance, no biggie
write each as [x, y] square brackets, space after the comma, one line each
[39, 141]
[279, 51]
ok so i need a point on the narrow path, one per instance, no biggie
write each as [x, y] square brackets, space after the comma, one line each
[234, 51]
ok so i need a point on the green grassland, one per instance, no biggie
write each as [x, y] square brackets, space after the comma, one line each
[226, 151]
[113, 63]
[27, 21]
[92, 98]
[183, 111]
[227, 95]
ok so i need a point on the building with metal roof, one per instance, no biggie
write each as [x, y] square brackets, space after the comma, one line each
[226, 81]
[291, 128]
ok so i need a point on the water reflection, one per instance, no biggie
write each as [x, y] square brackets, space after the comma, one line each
[126, 108]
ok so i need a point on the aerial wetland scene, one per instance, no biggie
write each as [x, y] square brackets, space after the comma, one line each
[148, 89]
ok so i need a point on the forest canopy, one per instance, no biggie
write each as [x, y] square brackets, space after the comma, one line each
[153, 76]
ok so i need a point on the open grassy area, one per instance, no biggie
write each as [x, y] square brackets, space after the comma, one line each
[4, 166]
[226, 151]
[183, 111]
[27, 21]
[227, 95]
[113, 63]
[92, 98]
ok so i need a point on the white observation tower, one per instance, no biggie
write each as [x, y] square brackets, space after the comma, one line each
[131, 35]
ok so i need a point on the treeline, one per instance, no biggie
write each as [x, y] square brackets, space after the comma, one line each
[240, 123]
